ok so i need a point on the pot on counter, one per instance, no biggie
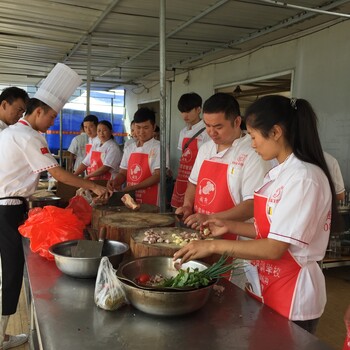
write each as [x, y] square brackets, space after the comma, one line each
[162, 303]
[86, 267]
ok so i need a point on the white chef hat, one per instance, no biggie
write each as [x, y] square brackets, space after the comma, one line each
[58, 86]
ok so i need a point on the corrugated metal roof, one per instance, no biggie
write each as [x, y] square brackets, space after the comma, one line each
[36, 34]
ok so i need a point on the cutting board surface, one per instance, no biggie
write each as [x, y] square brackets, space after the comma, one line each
[139, 248]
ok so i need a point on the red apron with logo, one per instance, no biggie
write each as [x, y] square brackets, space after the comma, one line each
[96, 163]
[213, 194]
[187, 160]
[138, 171]
[278, 278]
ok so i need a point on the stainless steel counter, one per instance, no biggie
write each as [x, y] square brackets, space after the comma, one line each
[65, 317]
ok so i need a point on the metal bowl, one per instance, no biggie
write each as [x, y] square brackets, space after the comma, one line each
[86, 267]
[162, 303]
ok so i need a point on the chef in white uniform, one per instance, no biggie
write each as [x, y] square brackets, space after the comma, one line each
[24, 154]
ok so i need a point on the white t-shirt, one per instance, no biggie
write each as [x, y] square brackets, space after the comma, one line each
[249, 168]
[77, 147]
[24, 154]
[111, 155]
[151, 147]
[188, 133]
[336, 175]
[299, 213]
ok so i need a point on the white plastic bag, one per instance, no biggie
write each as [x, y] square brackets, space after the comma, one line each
[109, 293]
[86, 194]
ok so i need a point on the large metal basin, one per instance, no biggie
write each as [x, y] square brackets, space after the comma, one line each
[163, 303]
[86, 267]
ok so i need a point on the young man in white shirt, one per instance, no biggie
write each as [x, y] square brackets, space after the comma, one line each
[191, 138]
[13, 102]
[140, 165]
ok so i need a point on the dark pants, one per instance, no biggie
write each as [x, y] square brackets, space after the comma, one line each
[12, 258]
[309, 325]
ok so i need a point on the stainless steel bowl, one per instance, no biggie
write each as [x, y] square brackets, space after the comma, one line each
[86, 267]
[163, 303]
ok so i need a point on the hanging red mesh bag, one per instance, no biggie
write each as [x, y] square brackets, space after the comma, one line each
[81, 208]
[50, 225]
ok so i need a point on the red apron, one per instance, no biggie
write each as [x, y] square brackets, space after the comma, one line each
[278, 278]
[138, 171]
[88, 147]
[347, 339]
[213, 194]
[96, 163]
[187, 160]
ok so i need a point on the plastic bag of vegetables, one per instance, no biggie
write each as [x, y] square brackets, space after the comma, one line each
[109, 293]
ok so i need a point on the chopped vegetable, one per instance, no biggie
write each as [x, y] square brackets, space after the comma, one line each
[143, 279]
[196, 278]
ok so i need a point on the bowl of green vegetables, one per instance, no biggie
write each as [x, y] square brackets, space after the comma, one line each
[158, 286]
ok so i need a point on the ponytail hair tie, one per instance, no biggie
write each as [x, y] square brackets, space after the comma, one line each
[293, 102]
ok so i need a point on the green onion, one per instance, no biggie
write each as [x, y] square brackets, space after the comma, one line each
[196, 278]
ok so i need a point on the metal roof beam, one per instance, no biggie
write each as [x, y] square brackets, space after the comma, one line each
[104, 14]
[284, 23]
[178, 29]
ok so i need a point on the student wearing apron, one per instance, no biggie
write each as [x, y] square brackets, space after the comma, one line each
[190, 139]
[90, 127]
[226, 170]
[139, 168]
[104, 157]
[294, 211]
[24, 154]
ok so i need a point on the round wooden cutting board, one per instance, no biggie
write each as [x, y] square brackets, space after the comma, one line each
[140, 249]
[103, 210]
[120, 226]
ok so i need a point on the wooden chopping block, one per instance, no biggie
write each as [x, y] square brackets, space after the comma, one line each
[120, 226]
[102, 210]
[140, 249]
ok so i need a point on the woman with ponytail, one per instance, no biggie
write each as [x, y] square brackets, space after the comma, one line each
[294, 211]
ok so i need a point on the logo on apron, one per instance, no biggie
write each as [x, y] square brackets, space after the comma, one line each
[135, 172]
[207, 191]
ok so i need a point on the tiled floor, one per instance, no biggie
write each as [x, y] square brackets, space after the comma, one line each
[331, 328]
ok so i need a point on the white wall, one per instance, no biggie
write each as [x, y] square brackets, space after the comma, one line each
[321, 75]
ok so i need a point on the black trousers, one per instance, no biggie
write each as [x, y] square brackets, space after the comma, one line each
[12, 258]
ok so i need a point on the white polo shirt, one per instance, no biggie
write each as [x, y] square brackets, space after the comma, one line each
[24, 154]
[77, 147]
[188, 133]
[299, 205]
[245, 171]
[111, 155]
[151, 147]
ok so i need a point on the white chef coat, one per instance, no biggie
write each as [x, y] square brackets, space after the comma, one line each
[188, 133]
[111, 155]
[151, 147]
[245, 171]
[24, 154]
[77, 147]
[299, 206]
[3, 125]
[336, 175]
